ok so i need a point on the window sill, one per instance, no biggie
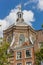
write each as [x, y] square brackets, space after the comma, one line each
[28, 57]
[19, 59]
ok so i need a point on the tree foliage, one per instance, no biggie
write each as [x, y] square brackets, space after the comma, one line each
[3, 53]
[39, 56]
[42, 25]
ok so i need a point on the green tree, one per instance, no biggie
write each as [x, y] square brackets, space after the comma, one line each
[39, 56]
[42, 25]
[3, 53]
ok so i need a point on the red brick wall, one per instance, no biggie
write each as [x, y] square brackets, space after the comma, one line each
[24, 60]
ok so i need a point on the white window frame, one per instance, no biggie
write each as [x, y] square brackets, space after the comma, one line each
[39, 44]
[16, 55]
[17, 63]
[30, 52]
[28, 62]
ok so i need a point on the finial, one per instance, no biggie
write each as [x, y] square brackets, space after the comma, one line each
[19, 7]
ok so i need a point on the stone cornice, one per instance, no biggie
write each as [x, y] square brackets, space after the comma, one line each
[21, 48]
[19, 28]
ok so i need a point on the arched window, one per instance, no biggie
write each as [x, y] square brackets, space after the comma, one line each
[19, 15]
[21, 39]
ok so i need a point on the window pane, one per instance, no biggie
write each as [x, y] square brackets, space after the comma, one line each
[28, 63]
[18, 55]
[40, 44]
[19, 64]
[20, 15]
[28, 53]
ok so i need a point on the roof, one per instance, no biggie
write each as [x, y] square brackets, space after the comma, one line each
[22, 24]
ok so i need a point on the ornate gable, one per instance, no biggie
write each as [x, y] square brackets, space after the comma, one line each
[25, 44]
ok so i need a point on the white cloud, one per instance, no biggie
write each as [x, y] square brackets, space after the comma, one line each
[40, 5]
[4, 24]
[28, 16]
[26, 3]
[30, 1]
[11, 18]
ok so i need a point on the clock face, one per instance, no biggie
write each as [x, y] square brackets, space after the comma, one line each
[21, 39]
[9, 39]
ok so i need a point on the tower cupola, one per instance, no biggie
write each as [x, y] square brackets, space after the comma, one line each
[20, 15]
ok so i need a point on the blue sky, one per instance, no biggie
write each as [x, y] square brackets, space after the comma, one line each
[35, 6]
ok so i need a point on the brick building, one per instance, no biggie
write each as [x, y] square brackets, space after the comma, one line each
[24, 41]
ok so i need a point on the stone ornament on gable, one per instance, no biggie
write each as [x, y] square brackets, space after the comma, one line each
[32, 39]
